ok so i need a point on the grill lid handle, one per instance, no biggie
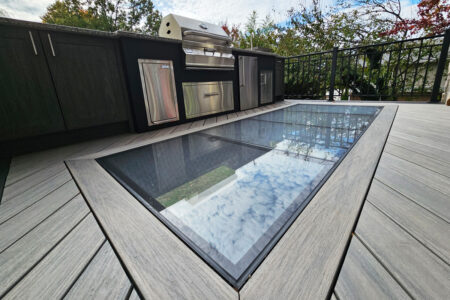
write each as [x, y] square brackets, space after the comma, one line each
[207, 34]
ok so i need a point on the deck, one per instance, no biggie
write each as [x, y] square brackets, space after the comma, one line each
[57, 241]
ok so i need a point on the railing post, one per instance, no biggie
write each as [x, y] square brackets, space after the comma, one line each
[440, 67]
[333, 73]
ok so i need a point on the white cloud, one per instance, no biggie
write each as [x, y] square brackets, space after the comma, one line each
[231, 11]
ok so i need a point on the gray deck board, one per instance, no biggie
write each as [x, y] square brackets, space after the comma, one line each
[14, 228]
[425, 226]
[403, 228]
[310, 251]
[420, 272]
[427, 162]
[134, 295]
[54, 275]
[430, 178]
[21, 257]
[415, 190]
[177, 272]
[104, 278]
[363, 277]
[39, 190]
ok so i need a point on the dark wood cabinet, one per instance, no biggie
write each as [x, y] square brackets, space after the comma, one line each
[28, 102]
[88, 78]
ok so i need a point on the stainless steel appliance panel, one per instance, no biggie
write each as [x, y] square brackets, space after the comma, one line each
[248, 82]
[204, 98]
[158, 86]
[266, 83]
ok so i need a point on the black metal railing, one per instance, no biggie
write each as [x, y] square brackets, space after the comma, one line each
[402, 70]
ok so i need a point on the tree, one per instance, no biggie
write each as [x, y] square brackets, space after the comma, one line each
[433, 18]
[108, 15]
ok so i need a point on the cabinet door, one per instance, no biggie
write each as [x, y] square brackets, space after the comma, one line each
[88, 78]
[28, 102]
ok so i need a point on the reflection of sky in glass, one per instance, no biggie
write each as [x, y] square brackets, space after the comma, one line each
[235, 216]
[230, 189]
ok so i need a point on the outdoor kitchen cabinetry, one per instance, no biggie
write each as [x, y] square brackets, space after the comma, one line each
[88, 79]
[29, 105]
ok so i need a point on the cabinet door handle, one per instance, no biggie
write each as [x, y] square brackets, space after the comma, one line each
[51, 44]
[32, 43]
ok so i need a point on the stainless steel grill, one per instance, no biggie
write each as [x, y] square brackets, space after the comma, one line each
[206, 45]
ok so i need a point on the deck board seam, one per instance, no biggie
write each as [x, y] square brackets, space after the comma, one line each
[402, 158]
[355, 224]
[409, 177]
[107, 238]
[383, 265]
[84, 269]
[39, 183]
[43, 256]
[51, 214]
[418, 152]
[31, 204]
[408, 232]
[412, 200]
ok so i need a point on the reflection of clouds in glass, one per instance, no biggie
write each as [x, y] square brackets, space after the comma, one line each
[234, 217]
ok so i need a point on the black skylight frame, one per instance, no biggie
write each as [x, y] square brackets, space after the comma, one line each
[134, 189]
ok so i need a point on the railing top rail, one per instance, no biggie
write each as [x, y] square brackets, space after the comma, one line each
[368, 46]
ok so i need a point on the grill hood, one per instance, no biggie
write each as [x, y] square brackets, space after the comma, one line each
[206, 45]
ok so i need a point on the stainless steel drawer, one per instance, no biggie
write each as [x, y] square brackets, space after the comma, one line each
[158, 87]
[204, 98]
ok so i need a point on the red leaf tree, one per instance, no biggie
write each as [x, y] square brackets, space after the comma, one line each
[433, 18]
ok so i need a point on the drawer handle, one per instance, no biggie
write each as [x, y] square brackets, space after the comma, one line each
[211, 94]
[32, 43]
[51, 44]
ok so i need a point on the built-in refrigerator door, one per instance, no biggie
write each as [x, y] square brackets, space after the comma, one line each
[266, 82]
[248, 82]
[158, 86]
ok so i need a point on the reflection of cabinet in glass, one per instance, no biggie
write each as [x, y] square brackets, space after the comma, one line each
[266, 84]
[158, 87]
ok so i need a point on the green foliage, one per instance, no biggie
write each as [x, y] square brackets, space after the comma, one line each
[108, 15]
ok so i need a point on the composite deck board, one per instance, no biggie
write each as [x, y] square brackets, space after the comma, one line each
[54, 275]
[134, 295]
[103, 278]
[305, 261]
[39, 191]
[423, 274]
[427, 162]
[404, 223]
[425, 226]
[22, 256]
[33, 180]
[16, 227]
[365, 278]
[161, 266]
[415, 190]
[430, 178]
[427, 150]
[415, 208]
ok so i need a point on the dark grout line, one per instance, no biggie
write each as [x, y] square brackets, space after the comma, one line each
[84, 268]
[383, 265]
[344, 253]
[408, 232]
[43, 256]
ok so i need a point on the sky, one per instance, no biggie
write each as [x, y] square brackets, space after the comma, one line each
[230, 11]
